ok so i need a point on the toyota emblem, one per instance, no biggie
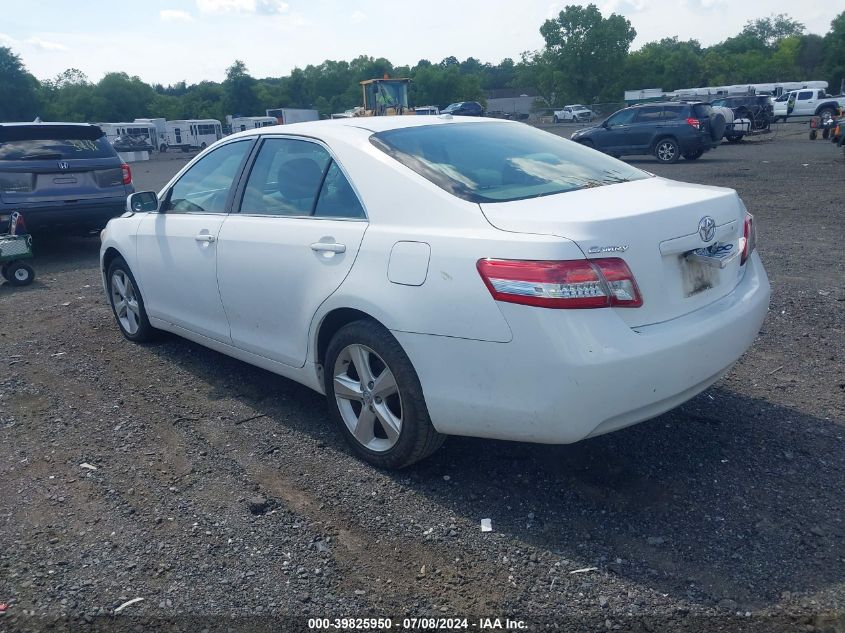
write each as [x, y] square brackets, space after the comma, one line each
[707, 228]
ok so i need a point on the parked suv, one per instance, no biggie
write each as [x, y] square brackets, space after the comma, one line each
[62, 176]
[756, 108]
[464, 108]
[667, 130]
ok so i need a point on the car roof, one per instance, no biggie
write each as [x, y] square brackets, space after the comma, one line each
[46, 124]
[374, 124]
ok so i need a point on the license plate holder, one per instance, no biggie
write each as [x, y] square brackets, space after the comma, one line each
[718, 255]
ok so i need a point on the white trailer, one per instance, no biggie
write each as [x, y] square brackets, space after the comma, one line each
[139, 132]
[161, 132]
[192, 134]
[241, 123]
[284, 116]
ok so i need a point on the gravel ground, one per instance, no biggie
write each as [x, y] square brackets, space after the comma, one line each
[220, 494]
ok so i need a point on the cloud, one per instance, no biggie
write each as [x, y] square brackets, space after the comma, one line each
[174, 15]
[357, 17]
[8, 40]
[624, 7]
[46, 45]
[263, 7]
[705, 5]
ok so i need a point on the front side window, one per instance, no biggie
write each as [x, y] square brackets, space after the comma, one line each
[623, 117]
[294, 177]
[500, 162]
[205, 187]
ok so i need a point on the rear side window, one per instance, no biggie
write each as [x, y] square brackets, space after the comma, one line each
[702, 110]
[674, 112]
[649, 114]
[500, 162]
[804, 96]
[46, 142]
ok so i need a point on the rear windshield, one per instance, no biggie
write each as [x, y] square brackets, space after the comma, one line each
[703, 110]
[500, 162]
[45, 142]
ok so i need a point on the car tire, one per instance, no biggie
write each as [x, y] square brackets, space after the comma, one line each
[123, 289]
[826, 133]
[162, 148]
[203, 146]
[734, 138]
[694, 155]
[396, 430]
[813, 135]
[19, 273]
[556, 120]
[667, 151]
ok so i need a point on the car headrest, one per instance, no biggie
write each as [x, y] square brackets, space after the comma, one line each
[299, 179]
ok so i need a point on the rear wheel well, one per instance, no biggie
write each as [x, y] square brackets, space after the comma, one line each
[663, 137]
[109, 257]
[331, 323]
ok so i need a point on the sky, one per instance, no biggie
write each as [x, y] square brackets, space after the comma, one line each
[168, 41]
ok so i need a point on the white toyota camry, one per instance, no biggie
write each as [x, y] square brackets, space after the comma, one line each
[439, 275]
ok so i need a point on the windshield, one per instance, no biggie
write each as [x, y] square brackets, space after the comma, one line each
[42, 142]
[500, 162]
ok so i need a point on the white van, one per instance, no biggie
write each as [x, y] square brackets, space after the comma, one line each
[192, 134]
[141, 134]
[241, 123]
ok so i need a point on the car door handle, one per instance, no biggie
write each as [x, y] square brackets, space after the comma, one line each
[328, 247]
[205, 237]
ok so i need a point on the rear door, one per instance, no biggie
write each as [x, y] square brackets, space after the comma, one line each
[805, 103]
[289, 248]
[58, 164]
[646, 126]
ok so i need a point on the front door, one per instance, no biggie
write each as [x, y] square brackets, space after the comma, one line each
[288, 249]
[647, 123]
[177, 247]
[614, 138]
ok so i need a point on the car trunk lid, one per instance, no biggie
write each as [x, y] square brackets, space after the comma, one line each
[653, 225]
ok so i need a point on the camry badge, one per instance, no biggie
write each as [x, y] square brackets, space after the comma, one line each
[593, 250]
[707, 228]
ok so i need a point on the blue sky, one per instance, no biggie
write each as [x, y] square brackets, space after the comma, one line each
[171, 40]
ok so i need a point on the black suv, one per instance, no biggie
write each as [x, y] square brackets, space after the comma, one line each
[464, 108]
[756, 108]
[61, 176]
[667, 130]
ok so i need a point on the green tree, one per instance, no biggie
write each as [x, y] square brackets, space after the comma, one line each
[834, 53]
[20, 89]
[773, 28]
[239, 95]
[587, 50]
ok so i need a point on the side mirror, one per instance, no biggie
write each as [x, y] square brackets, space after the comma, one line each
[605, 124]
[142, 201]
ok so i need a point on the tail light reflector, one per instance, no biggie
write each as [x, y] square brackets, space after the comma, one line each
[127, 174]
[569, 284]
[694, 123]
[749, 238]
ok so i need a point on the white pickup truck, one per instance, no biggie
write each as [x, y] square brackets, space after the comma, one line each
[806, 102]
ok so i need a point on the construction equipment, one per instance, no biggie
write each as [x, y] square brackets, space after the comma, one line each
[385, 97]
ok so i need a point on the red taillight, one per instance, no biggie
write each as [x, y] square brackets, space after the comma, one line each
[580, 283]
[127, 174]
[694, 123]
[749, 238]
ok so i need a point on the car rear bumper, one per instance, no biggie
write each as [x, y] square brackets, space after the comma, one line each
[569, 375]
[89, 215]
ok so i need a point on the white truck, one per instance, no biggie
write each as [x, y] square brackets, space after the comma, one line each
[807, 102]
[576, 113]
[285, 116]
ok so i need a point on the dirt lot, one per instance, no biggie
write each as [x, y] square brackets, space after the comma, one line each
[222, 496]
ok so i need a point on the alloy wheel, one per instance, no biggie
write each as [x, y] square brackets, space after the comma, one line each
[666, 151]
[368, 398]
[125, 301]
